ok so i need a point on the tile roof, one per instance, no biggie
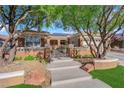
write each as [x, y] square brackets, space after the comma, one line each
[60, 34]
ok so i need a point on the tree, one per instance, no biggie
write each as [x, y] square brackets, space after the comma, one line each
[11, 17]
[104, 21]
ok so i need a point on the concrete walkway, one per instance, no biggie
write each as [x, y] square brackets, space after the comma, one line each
[67, 74]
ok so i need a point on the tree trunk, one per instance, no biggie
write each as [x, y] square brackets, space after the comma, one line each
[10, 53]
[4, 47]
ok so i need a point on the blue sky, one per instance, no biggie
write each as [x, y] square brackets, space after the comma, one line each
[50, 30]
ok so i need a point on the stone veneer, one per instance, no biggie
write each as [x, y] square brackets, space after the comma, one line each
[75, 51]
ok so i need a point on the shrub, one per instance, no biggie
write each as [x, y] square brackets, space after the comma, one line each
[77, 56]
[29, 57]
[87, 56]
[18, 58]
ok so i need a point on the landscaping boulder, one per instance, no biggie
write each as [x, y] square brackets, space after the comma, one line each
[35, 73]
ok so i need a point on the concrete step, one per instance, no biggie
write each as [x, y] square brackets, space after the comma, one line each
[63, 68]
[91, 83]
[61, 59]
[69, 75]
[63, 64]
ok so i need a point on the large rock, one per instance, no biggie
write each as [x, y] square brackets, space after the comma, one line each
[35, 72]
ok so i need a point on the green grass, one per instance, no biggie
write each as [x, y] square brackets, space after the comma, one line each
[113, 77]
[24, 86]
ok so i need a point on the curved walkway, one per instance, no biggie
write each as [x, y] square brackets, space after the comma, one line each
[67, 74]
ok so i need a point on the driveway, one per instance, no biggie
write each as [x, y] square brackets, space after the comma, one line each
[117, 55]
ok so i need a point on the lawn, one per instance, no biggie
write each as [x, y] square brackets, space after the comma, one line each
[113, 77]
[24, 86]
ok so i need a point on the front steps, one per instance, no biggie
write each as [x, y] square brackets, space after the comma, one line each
[63, 65]
[91, 83]
[67, 74]
[61, 59]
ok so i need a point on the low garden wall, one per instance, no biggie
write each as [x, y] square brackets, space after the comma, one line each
[21, 51]
[73, 52]
[11, 78]
[44, 52]
[90, 64]
[105, 63]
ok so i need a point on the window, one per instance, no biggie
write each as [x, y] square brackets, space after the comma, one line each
[53, 42]
[32, 41]
[63, 42]
[1, 43]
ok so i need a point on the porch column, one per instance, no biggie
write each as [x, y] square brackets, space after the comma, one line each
[80, 42]
[58, 43]
[48, 41]
[69, 40]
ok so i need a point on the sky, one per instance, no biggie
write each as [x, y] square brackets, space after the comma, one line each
[50, 30]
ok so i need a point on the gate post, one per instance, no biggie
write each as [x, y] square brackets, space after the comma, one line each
[70, 50]
[47, 53]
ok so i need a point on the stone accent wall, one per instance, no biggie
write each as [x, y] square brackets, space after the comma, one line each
[84, 52]
[72, 52]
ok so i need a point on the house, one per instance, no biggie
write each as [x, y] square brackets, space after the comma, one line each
[31, 42]
[80, 45]
[118, 41]
[41, 39]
